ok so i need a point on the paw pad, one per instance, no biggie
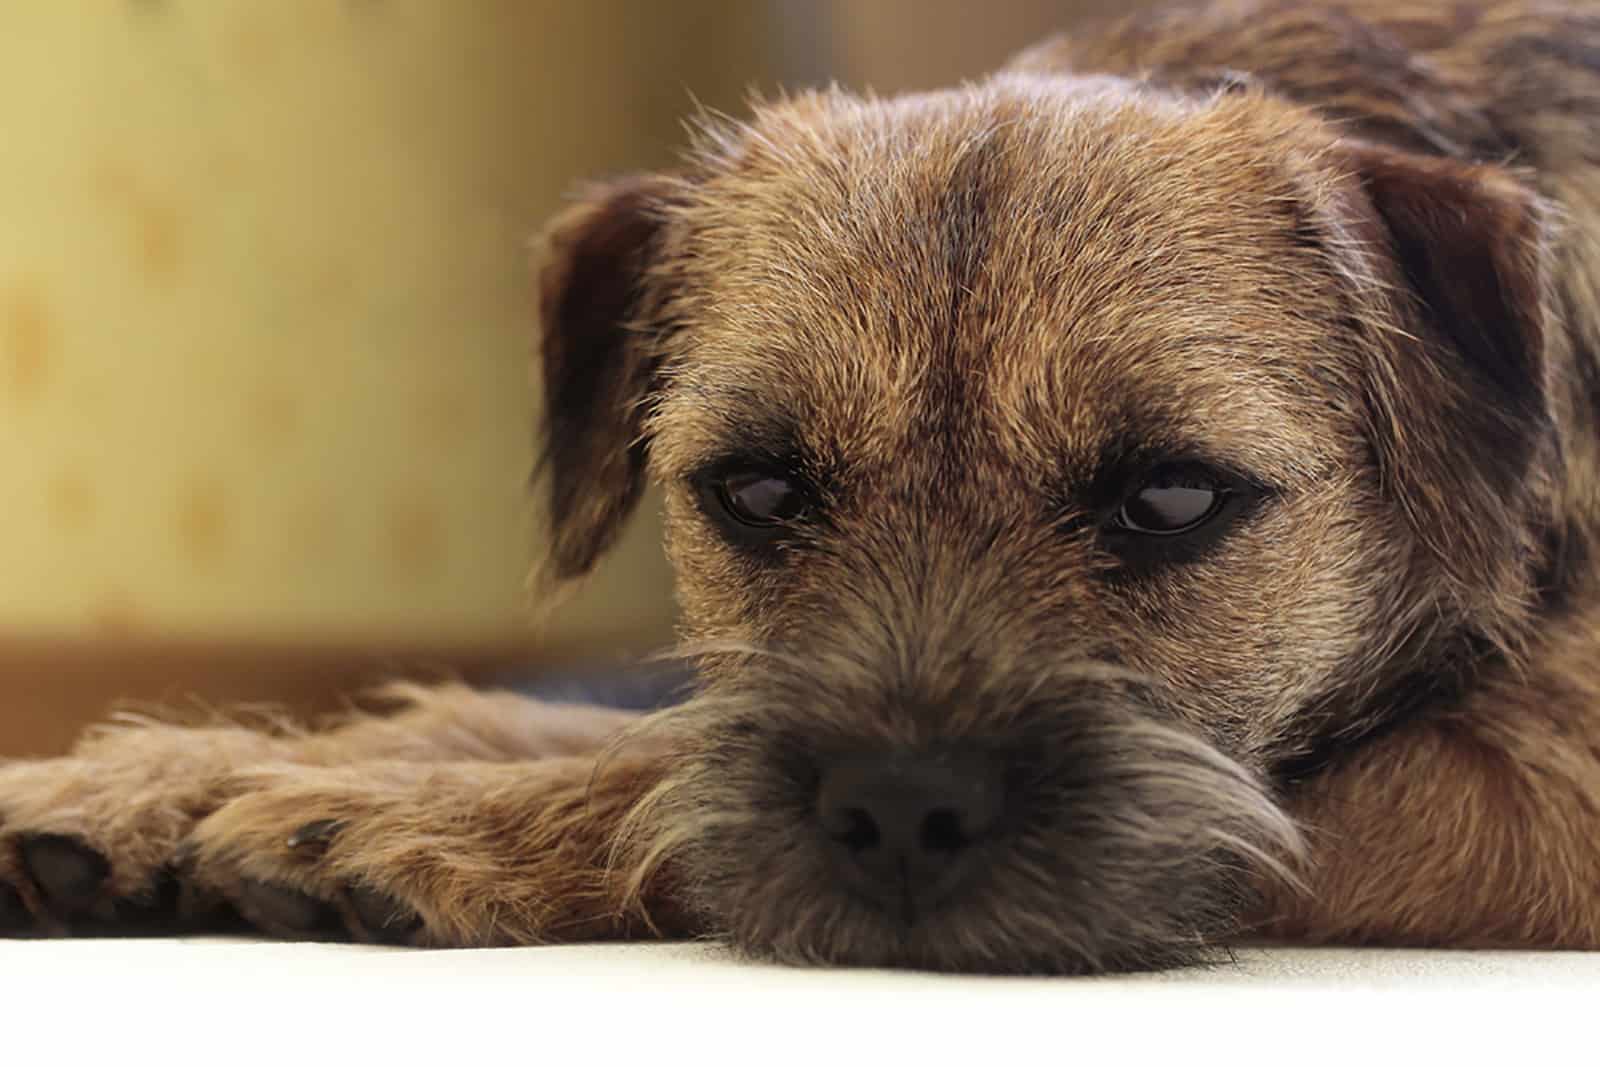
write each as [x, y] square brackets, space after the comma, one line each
[69, 873]
[384, 918]
[287, 912]
[13, 912]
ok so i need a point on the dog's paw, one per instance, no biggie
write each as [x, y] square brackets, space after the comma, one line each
[400, 853]
[299, 852]
[88, 840]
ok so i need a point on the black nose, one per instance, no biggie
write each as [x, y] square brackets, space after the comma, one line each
[903, 826]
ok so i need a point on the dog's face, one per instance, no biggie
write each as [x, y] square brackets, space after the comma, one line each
[1047, 463]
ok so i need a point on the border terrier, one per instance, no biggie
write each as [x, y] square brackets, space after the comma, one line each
[1142, 500]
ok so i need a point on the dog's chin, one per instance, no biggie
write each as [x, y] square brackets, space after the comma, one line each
[1133, 846]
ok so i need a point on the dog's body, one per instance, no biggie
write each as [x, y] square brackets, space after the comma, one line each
[1080, 484]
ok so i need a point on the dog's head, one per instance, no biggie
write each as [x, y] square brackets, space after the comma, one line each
[1048, 463]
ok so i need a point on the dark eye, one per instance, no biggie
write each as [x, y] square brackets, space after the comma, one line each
[759, 498]
[1173, 500]
[755, 506]
[1177, 512]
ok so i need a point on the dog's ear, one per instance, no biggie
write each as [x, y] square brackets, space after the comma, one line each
[1449, 262]
[596, 363]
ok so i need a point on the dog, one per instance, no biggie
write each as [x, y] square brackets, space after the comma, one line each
[1142, 501]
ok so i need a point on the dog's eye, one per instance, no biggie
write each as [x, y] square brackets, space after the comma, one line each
[755, 507]
[1176, 513]
[759, 498]
[1174, 500]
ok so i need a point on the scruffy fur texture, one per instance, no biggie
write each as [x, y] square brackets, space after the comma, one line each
[1349, 252]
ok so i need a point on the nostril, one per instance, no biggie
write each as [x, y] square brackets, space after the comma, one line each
[943, 831]
[907, 823]
[855, 829]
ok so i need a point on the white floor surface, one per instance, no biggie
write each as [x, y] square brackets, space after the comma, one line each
[223, 1001]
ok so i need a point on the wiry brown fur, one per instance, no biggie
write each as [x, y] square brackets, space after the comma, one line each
[1350, 252]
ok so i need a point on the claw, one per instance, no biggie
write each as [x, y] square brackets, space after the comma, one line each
[315, 835]
[183, 856]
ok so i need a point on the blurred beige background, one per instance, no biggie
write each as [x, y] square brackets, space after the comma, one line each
[264, 318]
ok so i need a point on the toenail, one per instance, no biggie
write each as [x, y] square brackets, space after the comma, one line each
[315, 835]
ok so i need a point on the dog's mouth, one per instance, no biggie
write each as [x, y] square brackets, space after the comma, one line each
[1080, 831]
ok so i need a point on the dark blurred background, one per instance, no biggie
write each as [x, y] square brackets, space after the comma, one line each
[264, 320]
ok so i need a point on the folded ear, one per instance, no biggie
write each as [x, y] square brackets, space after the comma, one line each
[596, 363]
[1448, 262]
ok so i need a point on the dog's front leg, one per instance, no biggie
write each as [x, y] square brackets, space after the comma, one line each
[452, 854]
[1477, 828]
[109, 834]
